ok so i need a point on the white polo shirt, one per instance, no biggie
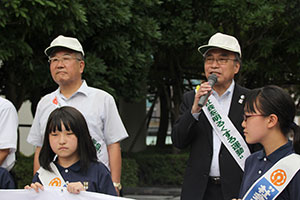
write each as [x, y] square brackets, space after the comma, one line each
[8, 131]
[100, 112]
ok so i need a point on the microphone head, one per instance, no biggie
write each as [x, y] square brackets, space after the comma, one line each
[212, 78]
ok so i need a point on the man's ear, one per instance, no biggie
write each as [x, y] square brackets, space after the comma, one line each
[82, 65]
[237, 67]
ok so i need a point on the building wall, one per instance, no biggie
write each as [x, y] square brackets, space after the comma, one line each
[25, 118]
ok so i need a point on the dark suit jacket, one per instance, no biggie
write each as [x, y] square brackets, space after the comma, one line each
[198, 135]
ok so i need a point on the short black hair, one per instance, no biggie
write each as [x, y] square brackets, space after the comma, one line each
[73, 121]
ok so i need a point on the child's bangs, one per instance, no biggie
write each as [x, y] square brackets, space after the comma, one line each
[56, 124]
[252, 102]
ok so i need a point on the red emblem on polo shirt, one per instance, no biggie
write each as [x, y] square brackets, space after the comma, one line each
[55, 101]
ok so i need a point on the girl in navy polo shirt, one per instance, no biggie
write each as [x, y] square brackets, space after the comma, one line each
[269, 120]
[68, 156]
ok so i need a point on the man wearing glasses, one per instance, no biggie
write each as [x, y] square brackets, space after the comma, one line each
[66, 60]
[214, 132]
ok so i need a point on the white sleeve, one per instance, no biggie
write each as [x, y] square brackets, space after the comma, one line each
[35, 137]
[8, 127]
[114, 130]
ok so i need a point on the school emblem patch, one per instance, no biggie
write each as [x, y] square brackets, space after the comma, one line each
[55, 182]
[278, 177]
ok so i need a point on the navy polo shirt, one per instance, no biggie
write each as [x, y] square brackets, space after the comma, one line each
[6, 180]
[97, 178]
[258, 164]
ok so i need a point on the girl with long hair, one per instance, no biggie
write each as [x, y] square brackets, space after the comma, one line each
[68, 156]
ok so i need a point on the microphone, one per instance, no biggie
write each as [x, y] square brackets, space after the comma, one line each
[212, 79]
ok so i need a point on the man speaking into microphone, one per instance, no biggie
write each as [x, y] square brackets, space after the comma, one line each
[211, 127]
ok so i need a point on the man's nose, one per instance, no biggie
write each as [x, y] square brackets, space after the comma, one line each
[215, 63]
[60, 63]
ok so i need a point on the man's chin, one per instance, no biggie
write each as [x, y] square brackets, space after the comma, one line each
[61, 81]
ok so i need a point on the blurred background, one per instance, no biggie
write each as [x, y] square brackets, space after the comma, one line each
[143, 52]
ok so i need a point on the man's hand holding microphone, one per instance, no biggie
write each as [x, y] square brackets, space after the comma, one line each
[203, 93]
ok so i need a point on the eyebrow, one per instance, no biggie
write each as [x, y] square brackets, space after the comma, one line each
[224, 54]
[67, 54]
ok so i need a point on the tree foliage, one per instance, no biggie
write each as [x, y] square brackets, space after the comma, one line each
[121, 34]
[25, 28]
[116, 36]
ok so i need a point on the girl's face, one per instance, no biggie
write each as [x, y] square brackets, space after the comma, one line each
[64, 143]
[255, 127]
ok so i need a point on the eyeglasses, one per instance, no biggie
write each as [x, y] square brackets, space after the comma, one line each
[220, 61]
[247, 116]
[64, 59]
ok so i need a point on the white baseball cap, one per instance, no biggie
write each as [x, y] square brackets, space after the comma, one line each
[66, 42]
[222, 41]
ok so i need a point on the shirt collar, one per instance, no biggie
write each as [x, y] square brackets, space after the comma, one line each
[75, 167]
[83, 90]
[277, 154]
[228, 92]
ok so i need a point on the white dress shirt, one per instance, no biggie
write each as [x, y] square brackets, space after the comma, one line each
[224, 101]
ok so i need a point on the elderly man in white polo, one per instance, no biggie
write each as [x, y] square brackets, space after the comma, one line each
[66, 59]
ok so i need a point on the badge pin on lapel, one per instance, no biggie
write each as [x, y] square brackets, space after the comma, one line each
[242, 98]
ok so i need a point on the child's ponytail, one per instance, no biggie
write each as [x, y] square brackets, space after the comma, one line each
[296, 138]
